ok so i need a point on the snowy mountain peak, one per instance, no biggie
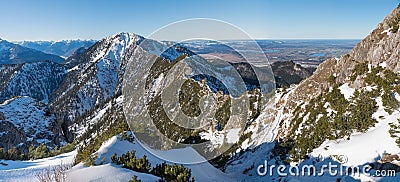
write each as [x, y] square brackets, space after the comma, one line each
[94, 74]
[126, 37]
[129, 36]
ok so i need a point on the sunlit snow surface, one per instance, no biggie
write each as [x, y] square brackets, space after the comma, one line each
[366, 147]
[26, 170]
[346, 91]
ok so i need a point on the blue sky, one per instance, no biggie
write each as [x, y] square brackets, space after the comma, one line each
[262, 19]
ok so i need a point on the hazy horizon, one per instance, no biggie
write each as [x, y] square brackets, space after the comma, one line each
[260, 39]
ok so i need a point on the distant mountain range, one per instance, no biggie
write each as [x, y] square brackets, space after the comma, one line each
[63, 48]
[11, 53]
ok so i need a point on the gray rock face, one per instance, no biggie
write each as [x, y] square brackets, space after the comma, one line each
[11, 136]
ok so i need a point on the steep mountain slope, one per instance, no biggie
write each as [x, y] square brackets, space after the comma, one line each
[372, 63]
[349, 105]
[63, 48]
[15, 54]
[37, 80]
[95, 78]
[95, 74]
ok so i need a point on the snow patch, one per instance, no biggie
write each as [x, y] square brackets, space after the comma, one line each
[396, 96]
[233, 135]
[346, 91]
[216, 138]
[383, 64]
[387, 31]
